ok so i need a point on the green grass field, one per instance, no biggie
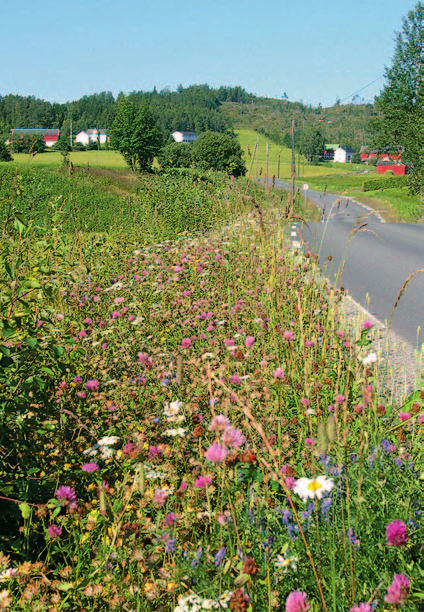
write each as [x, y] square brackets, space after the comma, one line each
[305, 170]
[107, 159]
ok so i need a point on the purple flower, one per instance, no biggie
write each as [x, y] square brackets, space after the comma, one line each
[92, 385]
[398, 590]
[202, 482]
[367, 324]
[288, 335]
[235, 380]
[216, 453]
[396, 533]
[363, 607]
[186, 343]
[233, 438]
[339, 399]
[54, 531]
[297, 602]
[279, 373]
[404, 416]
[250, 341]
[170, 545]
[90, 467]
[353, 539]
[66, 496]
[78, 380]
[220, 556]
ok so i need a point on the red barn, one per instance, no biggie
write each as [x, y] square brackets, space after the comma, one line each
[388, 166]
[50, 136]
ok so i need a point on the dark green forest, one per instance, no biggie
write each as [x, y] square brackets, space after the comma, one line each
[198, 108]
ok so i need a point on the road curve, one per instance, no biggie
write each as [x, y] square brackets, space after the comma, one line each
[372, 259]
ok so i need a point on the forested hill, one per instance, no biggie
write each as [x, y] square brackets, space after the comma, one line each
[196, 108]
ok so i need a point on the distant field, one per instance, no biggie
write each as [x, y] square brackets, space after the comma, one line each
[108, 159]
[303, 169]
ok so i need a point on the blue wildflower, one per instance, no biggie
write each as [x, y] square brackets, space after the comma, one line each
[353, 539]
[196, 558]
[170, 545]
[220, 556]
[325, 507]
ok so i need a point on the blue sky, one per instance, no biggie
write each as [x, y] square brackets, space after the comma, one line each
[315, 51]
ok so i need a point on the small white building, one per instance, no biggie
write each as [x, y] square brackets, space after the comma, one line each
[185, 136]
[343, 155]
[92, 136]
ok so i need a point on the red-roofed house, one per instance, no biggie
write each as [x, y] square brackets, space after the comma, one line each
[50, 137]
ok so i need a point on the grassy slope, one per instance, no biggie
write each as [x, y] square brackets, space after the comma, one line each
[395, 204]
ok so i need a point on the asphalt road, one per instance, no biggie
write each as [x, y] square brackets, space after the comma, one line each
[371, 263]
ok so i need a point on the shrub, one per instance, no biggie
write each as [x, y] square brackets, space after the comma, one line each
[219, 152]
[385, 183]
[5, 153]
[176, 155]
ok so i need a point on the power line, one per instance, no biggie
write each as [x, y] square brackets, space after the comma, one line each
[362, 88]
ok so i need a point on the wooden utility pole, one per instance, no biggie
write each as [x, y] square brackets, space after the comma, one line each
[257, 157]
[293, 162]
[266, 171]
[70, 134]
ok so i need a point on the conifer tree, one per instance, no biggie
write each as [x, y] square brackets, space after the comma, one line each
[398, 126]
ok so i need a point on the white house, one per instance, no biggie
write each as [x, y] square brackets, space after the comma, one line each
[343, 155]
[185, 136]
[92, 136]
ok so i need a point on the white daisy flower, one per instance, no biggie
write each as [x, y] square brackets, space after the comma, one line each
[8, 573]
[315, 487]
[108, 440]
[371, 358]
[173, 408]
[285, 563]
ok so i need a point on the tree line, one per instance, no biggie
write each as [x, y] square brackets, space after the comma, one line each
[197, 108]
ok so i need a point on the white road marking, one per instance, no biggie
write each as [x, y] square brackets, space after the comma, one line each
[293, 233]
[296, 244]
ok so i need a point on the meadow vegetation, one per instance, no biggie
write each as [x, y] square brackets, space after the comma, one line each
[185, 423]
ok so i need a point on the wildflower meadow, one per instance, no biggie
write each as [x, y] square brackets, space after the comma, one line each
[186, 424]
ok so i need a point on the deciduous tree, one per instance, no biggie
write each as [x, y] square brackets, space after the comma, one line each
[219, 152]
[135, 135]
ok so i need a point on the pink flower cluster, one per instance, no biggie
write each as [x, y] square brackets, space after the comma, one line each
[398, 590]
[396, 533]
[297, 602]
[230, 438]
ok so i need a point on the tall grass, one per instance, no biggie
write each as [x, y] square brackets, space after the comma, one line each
[186, 426]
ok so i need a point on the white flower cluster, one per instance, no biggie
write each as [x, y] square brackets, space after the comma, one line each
[194, 603]
[171, 412]
[103, 446]
[175, 432]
